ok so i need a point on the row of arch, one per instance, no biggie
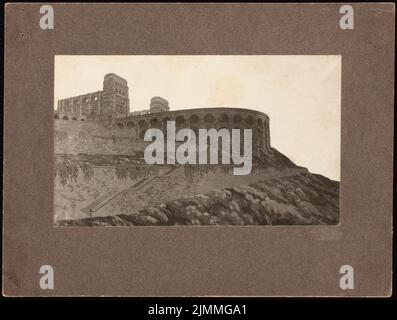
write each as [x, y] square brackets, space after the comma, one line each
[194, 120]
[66, 117]
[259, 125]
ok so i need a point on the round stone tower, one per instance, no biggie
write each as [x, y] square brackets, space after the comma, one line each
[158, 104]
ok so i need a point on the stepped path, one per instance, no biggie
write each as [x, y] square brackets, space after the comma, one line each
[105, 198]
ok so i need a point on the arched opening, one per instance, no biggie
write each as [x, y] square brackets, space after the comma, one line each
[120, 125]
[130, 124]
[249, 121]
[237, 121]
[82, 119]
[209, 121]
[195, 123]
[56, 116]
[74, 118]
[155, 123]
[194, 120]
[164, 121]
[224, 119]
[180, 123]
[65, 118]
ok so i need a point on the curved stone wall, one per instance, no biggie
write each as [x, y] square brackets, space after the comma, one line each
[204, 118]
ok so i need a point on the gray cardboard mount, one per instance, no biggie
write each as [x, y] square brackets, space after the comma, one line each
[199, 261]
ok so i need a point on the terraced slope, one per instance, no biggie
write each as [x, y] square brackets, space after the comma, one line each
[300, 199]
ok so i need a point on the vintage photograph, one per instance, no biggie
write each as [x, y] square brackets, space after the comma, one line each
[197, 140]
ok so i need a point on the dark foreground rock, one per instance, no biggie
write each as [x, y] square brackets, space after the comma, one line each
[301, 199]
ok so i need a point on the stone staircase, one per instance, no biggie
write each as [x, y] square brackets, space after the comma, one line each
[140, 184]
[100, 202]
[104, 199]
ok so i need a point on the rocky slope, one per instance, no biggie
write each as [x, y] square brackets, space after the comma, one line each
[299, 199]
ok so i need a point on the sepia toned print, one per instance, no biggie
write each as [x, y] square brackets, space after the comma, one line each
[321, 74]
[118, 164]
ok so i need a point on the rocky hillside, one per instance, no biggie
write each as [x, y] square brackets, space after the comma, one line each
[299, 199]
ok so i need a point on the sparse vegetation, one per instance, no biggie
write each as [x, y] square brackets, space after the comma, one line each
[302, 199]
[276, 192]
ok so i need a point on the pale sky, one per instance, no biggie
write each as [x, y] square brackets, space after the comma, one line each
[300, 94]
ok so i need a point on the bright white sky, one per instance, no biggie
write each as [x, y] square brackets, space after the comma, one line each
[300, 94]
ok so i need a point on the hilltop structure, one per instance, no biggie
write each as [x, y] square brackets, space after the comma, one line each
[111, 107]
[110, 103]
